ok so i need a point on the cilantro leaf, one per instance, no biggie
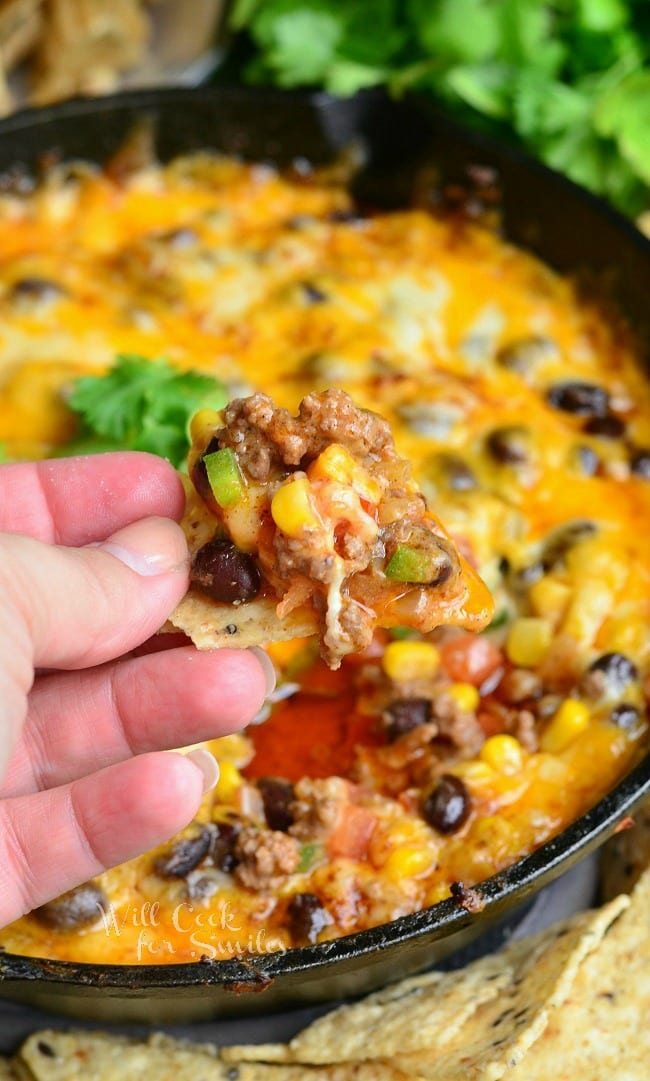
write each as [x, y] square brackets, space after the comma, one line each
[624, 115]
[140, 404]
[299, 40]
[568, 78]
[461, 31]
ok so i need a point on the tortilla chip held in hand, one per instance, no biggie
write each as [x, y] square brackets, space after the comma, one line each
[313, 525]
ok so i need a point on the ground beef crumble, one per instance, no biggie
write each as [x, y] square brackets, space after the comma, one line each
[265, 858]
[317, 806]
[265, 436]
[459, 726]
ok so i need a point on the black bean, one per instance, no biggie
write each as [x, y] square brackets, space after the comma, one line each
[458, 474]
[523, 356]
[405, 714]
[625, 716]
[582, 399]
[277, 796]
[617, 669]
[313, 294]
[448, 805]
[307, 917]
[222, 849]
[640, 464]
[585, 460]
[199, 473]
[609, 427]
[44, 1048]
[184, 854]
[224, 572]
[561, 540]
[80, 907]
[36, 290]
[510, 446]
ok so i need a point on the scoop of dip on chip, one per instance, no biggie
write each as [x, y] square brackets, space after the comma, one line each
[314, 525]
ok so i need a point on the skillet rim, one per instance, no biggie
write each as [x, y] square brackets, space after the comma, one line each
[434, 922]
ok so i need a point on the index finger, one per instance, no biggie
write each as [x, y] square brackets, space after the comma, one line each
[75, 501]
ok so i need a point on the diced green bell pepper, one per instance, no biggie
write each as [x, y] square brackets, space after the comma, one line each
[225, 479]
[408, 565]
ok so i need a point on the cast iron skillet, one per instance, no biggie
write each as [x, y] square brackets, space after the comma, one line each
[541, 211]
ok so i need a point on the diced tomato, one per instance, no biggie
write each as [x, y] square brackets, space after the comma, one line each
[352, 832]
[491, 723]
[470, 658]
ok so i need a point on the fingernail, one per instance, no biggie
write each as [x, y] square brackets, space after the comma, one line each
[208, 765]
[153, 546]
[267, 667]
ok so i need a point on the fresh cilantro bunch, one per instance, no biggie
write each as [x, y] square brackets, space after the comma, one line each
[140, 404]
[568, 78]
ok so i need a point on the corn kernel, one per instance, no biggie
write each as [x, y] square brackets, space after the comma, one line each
[336, 463]
[408, 861]
[570, 720]
[549, 598]
[528, 641]
[437, 893]
[474, 773]
[292, 510]
[465, 695]
[592, 602]
[497, 833]
[627, 634]
[203, 424]
[403, 661]
[503, 753]
[596, 559]
[228, 783]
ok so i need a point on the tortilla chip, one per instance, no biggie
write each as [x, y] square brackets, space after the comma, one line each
[408, 1016]
[79, 1056]
[542, 971]
[84, 1056]
[256, 1052]
[626, 856]
[213, 626]
[602, 1032]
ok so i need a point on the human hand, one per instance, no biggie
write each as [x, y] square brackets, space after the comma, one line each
[91, 565]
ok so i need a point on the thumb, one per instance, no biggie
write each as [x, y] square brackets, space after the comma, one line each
[83, 606]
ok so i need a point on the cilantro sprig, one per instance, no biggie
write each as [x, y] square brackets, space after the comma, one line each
[568, 78]
[140, 404]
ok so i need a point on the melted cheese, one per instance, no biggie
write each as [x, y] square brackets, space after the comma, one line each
[410, 315]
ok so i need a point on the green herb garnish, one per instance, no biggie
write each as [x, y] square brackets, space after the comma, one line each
[140, 404]
[569, 78]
